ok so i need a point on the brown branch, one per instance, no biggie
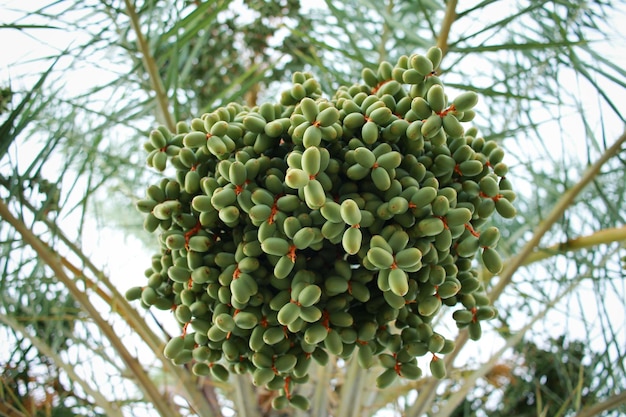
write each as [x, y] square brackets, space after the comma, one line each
[7, 410]
[446, 25]
[608, 404]
[108, 406]
[384, 36]
[151, 67]
[513, 264]
[601, 237]
[52, 260]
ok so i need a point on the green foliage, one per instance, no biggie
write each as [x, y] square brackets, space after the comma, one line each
[257, 42]
[553, 380]
[5, 98]
[30, 380]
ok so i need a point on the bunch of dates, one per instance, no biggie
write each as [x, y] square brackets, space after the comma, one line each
[315, 226]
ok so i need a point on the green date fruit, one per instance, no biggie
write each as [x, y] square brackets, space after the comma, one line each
[325, 225]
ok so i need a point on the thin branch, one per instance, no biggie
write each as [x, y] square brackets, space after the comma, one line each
[608, 404]
[512, 265]
[7, 410]
[446, 25]
[601, 237]
[151, 67]
[385, 35]
[54, 263]
[42, 347]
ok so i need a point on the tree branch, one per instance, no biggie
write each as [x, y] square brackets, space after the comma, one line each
[320, 397]
[605, 236]
[101, 401]
[7, 410]
[151, 67]
[512, 265]
[52, 260]
[384, 36]
[446, 24]
[601, 237]
[352, 389]
[608, 404]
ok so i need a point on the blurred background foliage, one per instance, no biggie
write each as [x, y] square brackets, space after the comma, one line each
[83, 82]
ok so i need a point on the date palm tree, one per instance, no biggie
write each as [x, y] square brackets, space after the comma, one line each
[83, 84]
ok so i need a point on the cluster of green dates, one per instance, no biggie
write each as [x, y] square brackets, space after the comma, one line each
[312, 227]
